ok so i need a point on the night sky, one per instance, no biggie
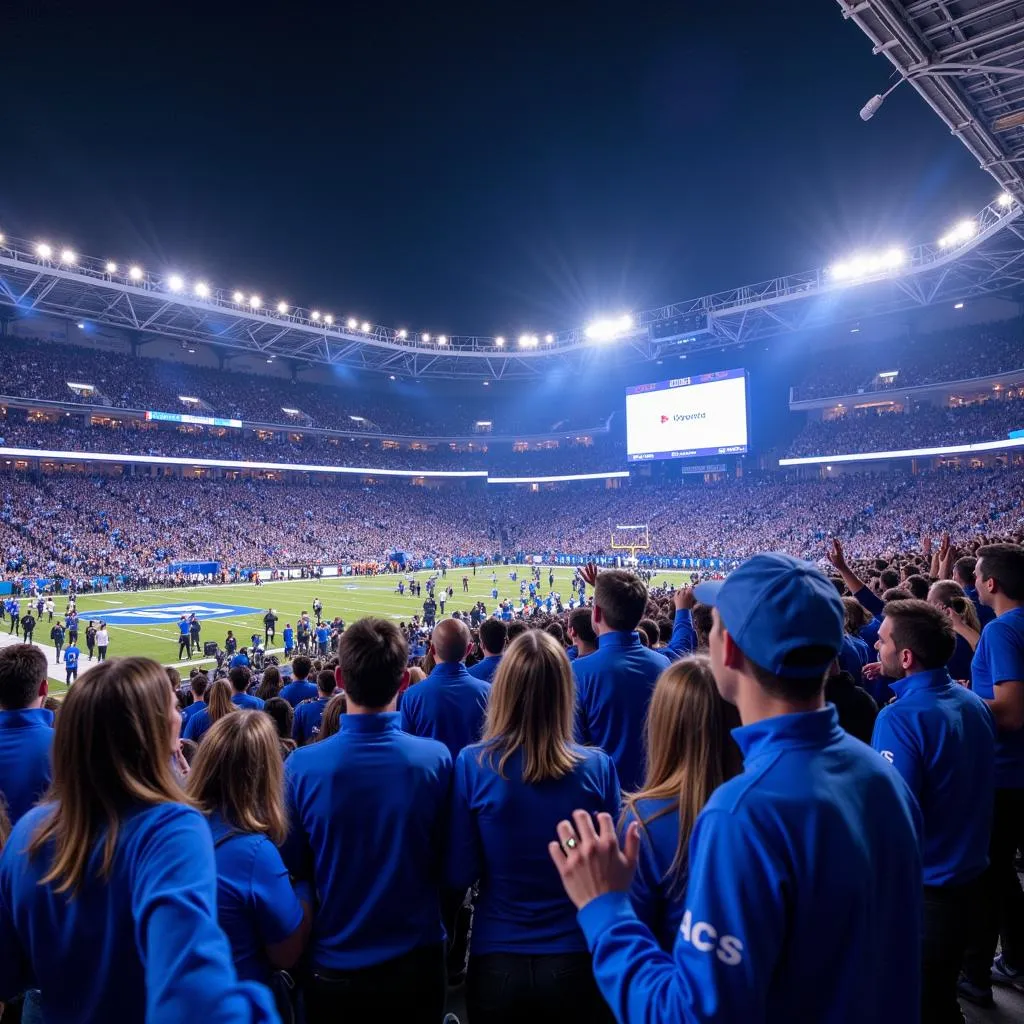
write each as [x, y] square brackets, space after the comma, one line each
[467, 168]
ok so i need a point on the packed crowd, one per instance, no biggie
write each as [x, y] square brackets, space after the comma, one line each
[42, 370]
[958, 354]
[85, 526]
[625, 812]
[133, 438]
[926, 426]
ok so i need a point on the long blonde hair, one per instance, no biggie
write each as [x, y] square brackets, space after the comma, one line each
[111, 749]
[531, 708]
[239, 773]
[218, 700]
[689, 751]
[948, 594]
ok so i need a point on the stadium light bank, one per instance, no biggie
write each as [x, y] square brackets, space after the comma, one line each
[609, 328]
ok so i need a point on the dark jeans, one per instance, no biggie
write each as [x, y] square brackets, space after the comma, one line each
[947, 912]
[184, 644]
[998, 913]
[410, 989]
[103, 653]
[513, 988]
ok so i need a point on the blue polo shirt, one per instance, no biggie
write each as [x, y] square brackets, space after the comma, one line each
[190, 712]
[323, 634]
[449, 706]
[299, 690]
[71, 656]
[256, 904]
[369, 809]
[485, 668]
[656, 894]
[500, 828]
[247, 702]
[999, 658]
[289, 638]
[184, 629]
[306, 724]
[613, 689]
[771, 930]
[141, 945]
[26, 738]
[941, 739]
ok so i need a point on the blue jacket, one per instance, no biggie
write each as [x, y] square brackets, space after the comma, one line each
[143, 945]
[999, 658]
[804, 897]
[684, 636]
[613, 689]
[26, 738]
[486, 668]
[299, 690]
[247, 702]
[448, 705]
[306, 723]
[369, 816]
[256, 904]
[500, 830]
[941, 739]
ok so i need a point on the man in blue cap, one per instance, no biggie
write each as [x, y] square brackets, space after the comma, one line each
[804, 889]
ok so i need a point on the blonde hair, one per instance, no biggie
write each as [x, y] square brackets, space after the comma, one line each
[531, 708]
[218, 700]
[239, 773]
[111, 749]
[948, 594]
[416, 675]
[689, 751]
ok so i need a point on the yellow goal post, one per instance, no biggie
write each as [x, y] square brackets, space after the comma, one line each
[632, 538]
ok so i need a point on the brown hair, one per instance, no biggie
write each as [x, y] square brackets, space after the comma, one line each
[372, 656]
[218, 700]
[1005, 564]
[947, 594]
[330, 720]
[239, 773]
[622, 598]
[922, 629]
[270, 684]
[531, 708]
[111, 749]
[689, 750]
[22, 668]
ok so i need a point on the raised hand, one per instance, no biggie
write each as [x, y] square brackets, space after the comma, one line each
[684, 598]
[837, 556]
[589, 573]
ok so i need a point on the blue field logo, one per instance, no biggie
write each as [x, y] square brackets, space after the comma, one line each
[155, 614]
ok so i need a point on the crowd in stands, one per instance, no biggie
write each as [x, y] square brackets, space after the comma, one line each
[131, 438]
[91, 525]
[927, 426]
[958, 354]
[42, 370]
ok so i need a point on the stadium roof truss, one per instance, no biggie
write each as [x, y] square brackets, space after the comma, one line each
[966, 59]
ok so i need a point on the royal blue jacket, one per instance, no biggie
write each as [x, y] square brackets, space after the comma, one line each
[256, 904]
[853, 655]
[804, 896]
[500, 830]
[247, 702]
[999, 658]
[941, 739]
[613, 689]
[657, 892]
[684, 636]
[299, 690]
[486, 668]
[143, 945]
[448, 705]
[187, 714]
[369, 813]
[26, 738]
[306, 723]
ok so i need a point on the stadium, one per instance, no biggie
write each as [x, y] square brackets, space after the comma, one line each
[206, 471]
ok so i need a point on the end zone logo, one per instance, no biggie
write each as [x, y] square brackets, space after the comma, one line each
[664, 419]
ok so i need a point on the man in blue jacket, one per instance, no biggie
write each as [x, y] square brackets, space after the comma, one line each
[614, 684]
[804, 889]
[26, 728]
[449, 705]
[368, 809]
[493, 638]
[940, 737]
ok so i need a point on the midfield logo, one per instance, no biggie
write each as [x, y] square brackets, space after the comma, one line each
[154, 614]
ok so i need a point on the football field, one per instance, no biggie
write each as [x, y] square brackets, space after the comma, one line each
[145, 623]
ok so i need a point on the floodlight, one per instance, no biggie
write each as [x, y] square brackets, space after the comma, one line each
[356, 419]
[425, 337]
[80, 325]
[68, 256]
[1, 238]
[499, 341]
[1005, 200]
[958, 305]
[608, 328]
[442, 339]
[188, 399]
[135, 274]
[111, 267]
[351, 323]
[862, 265]
[392, 377]
[315, 315]
[964, 231]
[282, 307]
[238, 297]
[402, 334]
[549, 338]
[202, 289]
[255, 301]
[175, 283]
[290, 412]
[329, 319]
[524, 340]
[366, 327]
[43, 251]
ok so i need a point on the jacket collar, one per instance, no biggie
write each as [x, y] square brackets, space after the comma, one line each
[800, 729]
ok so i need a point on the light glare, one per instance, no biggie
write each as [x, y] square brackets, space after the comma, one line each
[609, 328]
[366, 327]
[315, 315]
[111, 267]
[43, 251]
[238, 297]
[282, 307]
[135, 273]
[403, 334]
[351, 323]
[175, 283]
[202, 289]
[68, 256]
[255, 301]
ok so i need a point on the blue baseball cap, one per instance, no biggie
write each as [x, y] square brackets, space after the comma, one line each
[773, 605]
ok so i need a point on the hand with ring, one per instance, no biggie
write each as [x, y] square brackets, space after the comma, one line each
[590, 861]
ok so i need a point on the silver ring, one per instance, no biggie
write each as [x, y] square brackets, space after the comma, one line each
[570, 843]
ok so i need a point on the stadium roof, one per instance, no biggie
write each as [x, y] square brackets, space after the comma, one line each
[966, 59]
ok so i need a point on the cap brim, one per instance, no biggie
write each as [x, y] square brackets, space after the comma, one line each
[707, 592]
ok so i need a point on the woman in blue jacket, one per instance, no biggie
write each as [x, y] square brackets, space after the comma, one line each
[689, 755]
[528, 958]
[108, 890]
[218, 704]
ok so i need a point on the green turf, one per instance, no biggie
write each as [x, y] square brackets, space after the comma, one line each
[350, 597]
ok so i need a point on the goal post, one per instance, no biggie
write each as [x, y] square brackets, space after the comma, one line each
[632, 538]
